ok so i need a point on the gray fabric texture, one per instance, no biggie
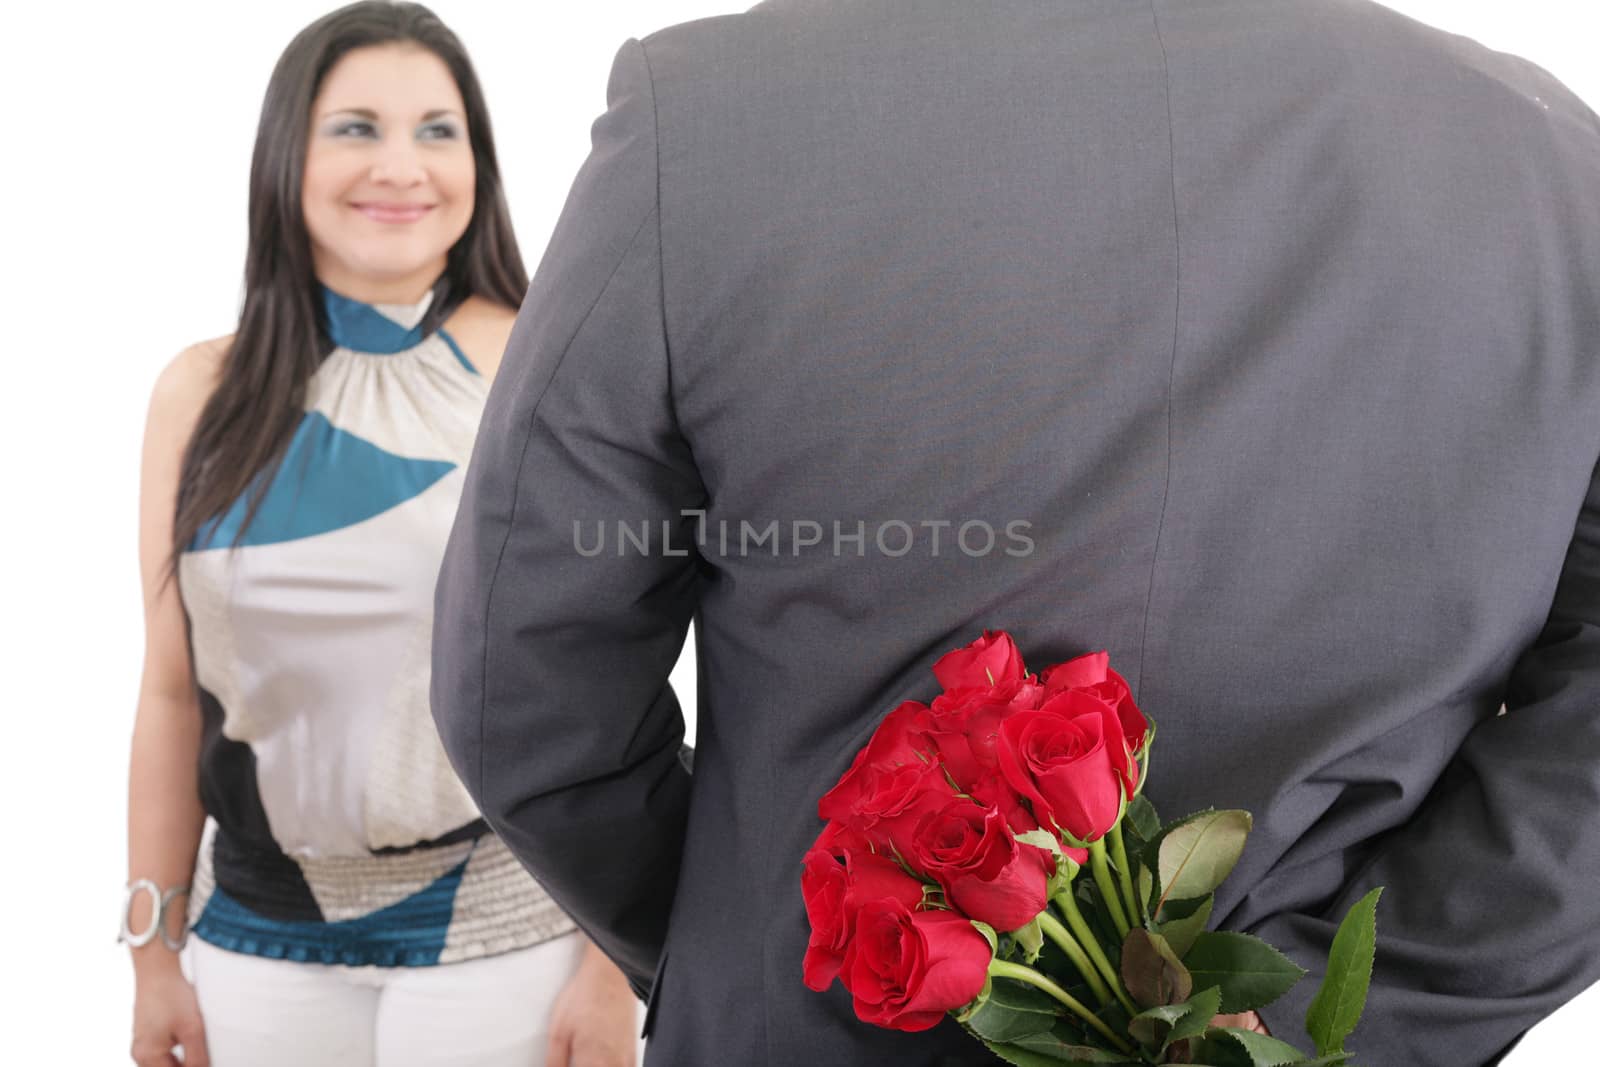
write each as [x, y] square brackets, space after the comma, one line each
[1277, 323]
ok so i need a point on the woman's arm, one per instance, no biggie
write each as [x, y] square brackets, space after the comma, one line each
[165, 817]
[595, 1019]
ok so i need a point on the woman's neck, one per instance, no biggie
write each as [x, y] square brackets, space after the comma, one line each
[399, 289]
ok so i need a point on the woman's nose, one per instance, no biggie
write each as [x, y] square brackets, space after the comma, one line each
[398, 164]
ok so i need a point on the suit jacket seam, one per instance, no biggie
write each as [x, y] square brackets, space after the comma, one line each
[516, 487]
[1172, 370]
[661, 270]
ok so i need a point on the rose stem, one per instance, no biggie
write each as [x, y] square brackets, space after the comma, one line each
[1064, 940]
[1108, 888]
[1087, 939]
[1002, 969]
[1119, 853]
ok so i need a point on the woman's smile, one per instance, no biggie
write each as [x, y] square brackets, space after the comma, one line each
[390, 211]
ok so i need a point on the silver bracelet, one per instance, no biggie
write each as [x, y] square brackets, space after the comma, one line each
[159, 903]
[166, 900]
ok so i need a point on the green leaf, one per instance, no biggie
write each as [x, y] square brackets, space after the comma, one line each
[1025, 1057]
[1022, 997]
[1232, 1046]
[1250, 972]
[1202, 1009]
[1141, 816]
[1184, 924]
[1020, 1056]
[1194, 857]
[1012, 1010]
[1182, 909]
[1140, 874]
[1158, 1027]
[1151, 1026]
[965, 1012]
[1336, 1008]
[1061, 1048]
[1151, 972]
[1151, 852]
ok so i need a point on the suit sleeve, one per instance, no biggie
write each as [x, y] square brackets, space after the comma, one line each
[1490, 919]
[550, 659]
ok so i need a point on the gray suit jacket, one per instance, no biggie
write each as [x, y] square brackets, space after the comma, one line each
[1257, 342]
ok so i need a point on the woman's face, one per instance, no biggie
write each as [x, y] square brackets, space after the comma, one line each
[388, 184]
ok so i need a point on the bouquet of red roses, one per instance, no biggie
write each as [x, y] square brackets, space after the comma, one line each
[992, 856]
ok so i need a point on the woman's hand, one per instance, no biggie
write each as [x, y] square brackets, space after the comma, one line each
[166, 1013]
[595, 1021]
[1248, 1020]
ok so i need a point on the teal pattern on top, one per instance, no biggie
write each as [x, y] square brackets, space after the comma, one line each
[365, 328]
[338, 831]
[334, 479]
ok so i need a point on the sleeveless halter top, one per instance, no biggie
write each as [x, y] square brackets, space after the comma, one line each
[338, 831]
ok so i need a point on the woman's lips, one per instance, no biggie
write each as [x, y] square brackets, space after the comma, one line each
[379, 211]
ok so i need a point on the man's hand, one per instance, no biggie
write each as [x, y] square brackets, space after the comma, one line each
[595, 1020]
[1248, 1020]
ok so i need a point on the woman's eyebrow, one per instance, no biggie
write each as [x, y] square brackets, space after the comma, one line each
[368, 113]
[359, 112]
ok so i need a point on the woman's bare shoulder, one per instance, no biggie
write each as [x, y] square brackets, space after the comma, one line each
[190, 377]
[481, 327]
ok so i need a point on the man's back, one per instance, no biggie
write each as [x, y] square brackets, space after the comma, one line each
[1254, 342]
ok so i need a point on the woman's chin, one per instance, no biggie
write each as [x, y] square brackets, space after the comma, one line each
[389, 269]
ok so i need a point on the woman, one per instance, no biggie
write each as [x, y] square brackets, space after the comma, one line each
[348, 904]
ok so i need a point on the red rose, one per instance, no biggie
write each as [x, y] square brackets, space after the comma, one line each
[836, 837]
[992, 659]
[892, 803]
[1093, 673]
[900, 740]
[901, 737]
[874, 876]
[836, 881]
[906, 969]
[1077, 673]
[994, 791]
[823, 883]
[987, 874]
[964, 723]
[1057, 757]
[894, 781]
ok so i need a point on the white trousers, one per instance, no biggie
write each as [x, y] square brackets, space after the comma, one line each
[489, 1012]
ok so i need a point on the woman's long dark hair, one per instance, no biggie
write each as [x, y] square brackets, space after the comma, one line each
[282, 337]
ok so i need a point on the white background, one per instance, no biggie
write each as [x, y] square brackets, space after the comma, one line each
[128, 135]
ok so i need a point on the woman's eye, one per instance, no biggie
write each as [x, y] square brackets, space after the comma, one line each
[439, 131]
[354, 128]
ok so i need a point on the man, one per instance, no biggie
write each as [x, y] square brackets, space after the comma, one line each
[1257, 343]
